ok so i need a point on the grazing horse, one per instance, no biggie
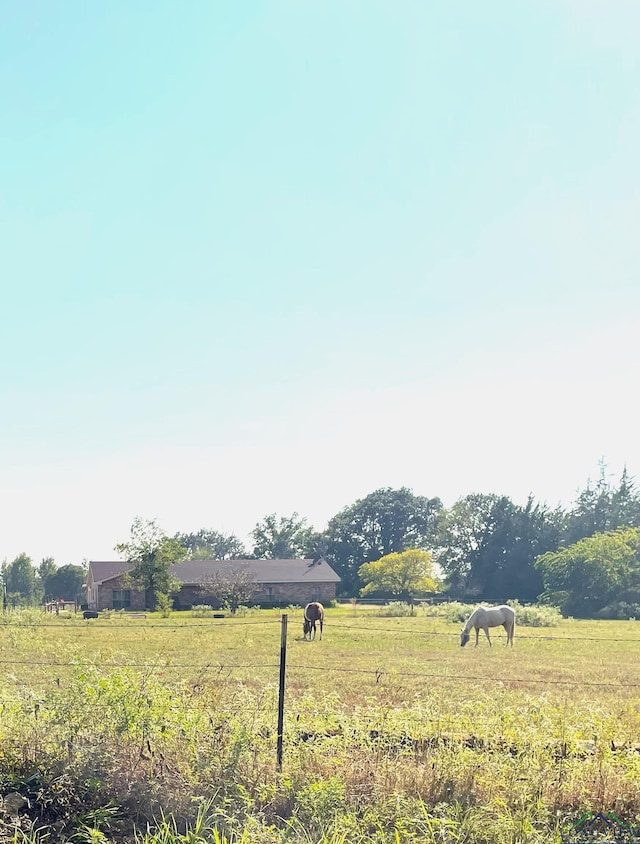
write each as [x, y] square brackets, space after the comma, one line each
[313, 612]
[482, 618]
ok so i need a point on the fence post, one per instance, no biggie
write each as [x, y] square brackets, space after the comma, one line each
[283, 664]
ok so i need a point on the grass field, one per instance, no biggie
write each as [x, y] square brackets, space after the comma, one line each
[393, 733]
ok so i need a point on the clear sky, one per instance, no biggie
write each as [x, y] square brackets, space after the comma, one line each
[270, 256]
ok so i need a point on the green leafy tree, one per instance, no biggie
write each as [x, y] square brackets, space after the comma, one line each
[504, 564]
[283, 538]
[46, 568]
[151, 554]
[487, 546]
[593, 572]
[461, 530]
[66, 583]
[402, 575]
[21, 581]
[212, 545]
[385, 521]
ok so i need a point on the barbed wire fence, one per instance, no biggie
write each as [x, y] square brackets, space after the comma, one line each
[283, 670]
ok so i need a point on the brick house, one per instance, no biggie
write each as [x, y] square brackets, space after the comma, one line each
[276, 582]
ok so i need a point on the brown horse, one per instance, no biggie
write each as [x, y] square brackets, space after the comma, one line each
[313, 612]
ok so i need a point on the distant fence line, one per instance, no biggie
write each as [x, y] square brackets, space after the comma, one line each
[434, 599]
[199, 624]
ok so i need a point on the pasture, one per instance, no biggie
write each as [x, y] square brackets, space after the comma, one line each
[392, 731]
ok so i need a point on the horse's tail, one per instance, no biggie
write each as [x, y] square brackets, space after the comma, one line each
[512, 627]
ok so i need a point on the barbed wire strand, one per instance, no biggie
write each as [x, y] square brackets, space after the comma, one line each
[457, 634]
[90, 624]
[377, 672]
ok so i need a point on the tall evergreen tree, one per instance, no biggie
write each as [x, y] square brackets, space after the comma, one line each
[600, 508]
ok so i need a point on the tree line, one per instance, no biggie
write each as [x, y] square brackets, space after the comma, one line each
[483, 547]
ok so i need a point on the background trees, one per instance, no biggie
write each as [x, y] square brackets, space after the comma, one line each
[65, 583]
[601, 507]
[26, 585]
[151, 553]
[20, 581]
[594, 572]
[486, 546]
[284, 537]
[386, 521]
[211, 545]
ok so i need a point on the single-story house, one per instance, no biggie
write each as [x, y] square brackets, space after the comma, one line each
[276, 582]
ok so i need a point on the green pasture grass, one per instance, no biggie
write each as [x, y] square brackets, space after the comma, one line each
[393, 732]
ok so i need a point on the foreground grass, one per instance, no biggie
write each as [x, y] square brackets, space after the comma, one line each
[165, 729]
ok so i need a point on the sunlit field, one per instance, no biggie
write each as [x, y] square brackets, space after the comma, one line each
[392, 731]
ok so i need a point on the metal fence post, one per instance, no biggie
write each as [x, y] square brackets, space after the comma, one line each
[283, 664]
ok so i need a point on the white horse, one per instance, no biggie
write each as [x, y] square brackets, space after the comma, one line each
[482, 618]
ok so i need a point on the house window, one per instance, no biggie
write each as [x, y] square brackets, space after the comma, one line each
[121, 599]
[270, 592]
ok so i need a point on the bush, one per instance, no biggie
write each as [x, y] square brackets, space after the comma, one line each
[526, 616]
[457, 611]
[536, 615]
[164, 604]
[200, 610]
[619, 611]
[318, 804]
[23, 617]
[396, 609]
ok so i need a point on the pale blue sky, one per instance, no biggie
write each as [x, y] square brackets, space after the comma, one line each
[270, 256]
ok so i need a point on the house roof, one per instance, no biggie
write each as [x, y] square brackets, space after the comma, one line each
[106, 570]
[261, 571]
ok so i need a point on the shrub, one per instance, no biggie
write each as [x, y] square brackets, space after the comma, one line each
[164, 603]
[526, 616]
[318, 803]
[536, 615]
[23, 617]
[200, 610]
[619, 610]
[396, 609]
[457, 611]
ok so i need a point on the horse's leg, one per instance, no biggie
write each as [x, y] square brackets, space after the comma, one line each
[321, 622]
[486, 631]
[477, 634]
